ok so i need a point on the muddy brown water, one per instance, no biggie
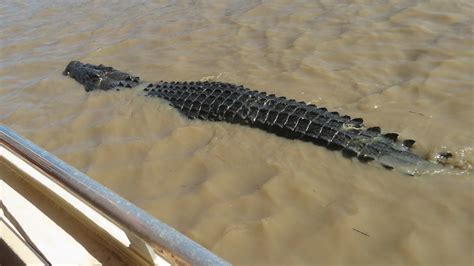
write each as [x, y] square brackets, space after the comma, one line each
[249, 196]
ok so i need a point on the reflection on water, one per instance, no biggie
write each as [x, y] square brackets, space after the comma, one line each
[249, 196]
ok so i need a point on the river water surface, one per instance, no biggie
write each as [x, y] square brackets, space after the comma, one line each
[249, 196]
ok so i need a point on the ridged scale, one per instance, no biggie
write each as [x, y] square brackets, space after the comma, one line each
[216, 101]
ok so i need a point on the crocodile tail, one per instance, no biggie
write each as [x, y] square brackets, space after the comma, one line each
[389, 153]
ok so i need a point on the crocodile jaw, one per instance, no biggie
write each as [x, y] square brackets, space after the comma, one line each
[99, 77]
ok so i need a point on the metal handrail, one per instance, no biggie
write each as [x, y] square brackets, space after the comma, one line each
[125, 213]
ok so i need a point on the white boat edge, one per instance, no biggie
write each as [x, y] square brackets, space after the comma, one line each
[136, 236]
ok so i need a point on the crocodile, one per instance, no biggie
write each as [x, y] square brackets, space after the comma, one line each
[219, 101]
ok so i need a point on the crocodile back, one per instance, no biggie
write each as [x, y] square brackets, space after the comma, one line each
[216, 101]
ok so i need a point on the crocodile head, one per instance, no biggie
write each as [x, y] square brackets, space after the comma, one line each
[99, 77]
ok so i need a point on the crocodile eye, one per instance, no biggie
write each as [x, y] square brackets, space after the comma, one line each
[95, 77]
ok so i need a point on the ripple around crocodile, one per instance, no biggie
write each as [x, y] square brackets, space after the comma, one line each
[217, 101]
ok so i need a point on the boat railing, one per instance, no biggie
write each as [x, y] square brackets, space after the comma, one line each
[143, 231]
